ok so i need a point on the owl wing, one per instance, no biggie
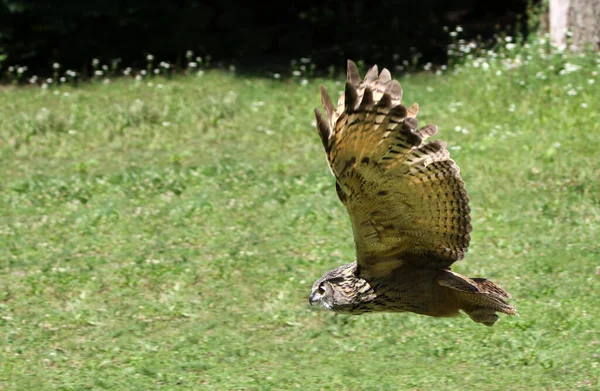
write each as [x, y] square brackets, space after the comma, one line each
[406, 199]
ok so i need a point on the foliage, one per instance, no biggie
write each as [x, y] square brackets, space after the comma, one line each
[36, 33]
[164, 232]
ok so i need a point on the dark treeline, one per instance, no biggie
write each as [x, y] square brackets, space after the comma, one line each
[252, 35]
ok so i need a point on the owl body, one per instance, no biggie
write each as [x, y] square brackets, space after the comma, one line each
[406, 289]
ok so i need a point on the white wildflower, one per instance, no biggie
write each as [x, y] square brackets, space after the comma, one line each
[230, 98]
[569, 68]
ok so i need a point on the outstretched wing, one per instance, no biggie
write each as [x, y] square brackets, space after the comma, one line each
[406, 199]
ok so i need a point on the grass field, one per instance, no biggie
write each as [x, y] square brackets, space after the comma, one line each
[165, 233]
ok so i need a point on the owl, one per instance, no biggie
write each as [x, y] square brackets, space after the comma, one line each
[408, 207]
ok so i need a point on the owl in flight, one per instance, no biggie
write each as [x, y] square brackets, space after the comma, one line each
[408, 207]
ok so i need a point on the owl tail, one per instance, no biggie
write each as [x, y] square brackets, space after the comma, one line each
[478, 297]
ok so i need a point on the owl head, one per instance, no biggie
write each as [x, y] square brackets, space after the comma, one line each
[338, 290]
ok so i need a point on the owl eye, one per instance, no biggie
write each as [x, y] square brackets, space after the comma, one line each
[321, 289]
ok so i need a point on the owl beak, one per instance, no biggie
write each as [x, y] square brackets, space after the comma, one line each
[312, 299]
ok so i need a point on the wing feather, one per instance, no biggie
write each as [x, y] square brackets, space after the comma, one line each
[406, 199]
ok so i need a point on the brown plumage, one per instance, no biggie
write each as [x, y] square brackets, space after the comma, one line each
[408, 207]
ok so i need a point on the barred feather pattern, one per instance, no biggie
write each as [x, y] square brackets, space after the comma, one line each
[406, 199]
[477, 292]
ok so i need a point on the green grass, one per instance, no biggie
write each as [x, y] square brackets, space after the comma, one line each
[167, 238]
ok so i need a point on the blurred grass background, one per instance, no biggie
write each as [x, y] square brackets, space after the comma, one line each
[162, 233]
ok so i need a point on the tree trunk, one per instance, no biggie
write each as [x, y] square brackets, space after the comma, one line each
[579, 17]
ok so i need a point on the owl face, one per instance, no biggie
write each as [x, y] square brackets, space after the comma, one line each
[336, 289]
[322, 293]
